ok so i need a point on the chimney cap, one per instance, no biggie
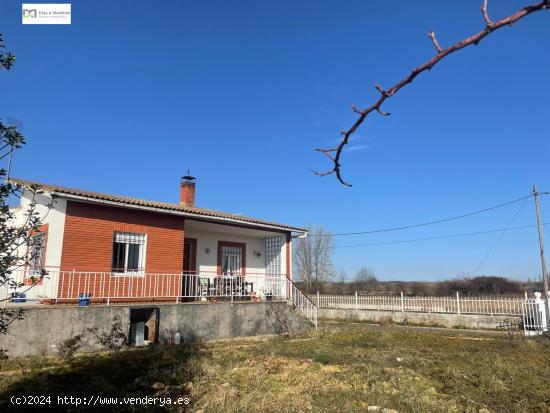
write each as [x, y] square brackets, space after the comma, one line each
[188, 178]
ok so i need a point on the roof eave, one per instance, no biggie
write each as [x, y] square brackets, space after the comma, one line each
[186, 214]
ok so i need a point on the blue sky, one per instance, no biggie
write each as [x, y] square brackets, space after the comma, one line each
[134, 93]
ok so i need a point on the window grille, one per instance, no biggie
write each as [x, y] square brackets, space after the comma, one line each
[231, 260]
[37, 255]
[128, 252]
[273, 247]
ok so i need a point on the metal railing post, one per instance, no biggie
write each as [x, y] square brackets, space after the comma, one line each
[356, 302]
[402, 303]
[109, 289]
[457, 303]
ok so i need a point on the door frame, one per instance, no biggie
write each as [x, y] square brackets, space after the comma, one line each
[193, 255]
[241, 245]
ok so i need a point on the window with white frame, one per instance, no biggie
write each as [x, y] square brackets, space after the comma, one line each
[273, 247]
[128, 252]
[37, 254]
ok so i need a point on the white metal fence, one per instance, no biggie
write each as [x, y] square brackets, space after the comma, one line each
[534, 316]
[107, 287]
[450, 305]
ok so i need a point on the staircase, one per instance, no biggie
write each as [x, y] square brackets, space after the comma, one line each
[296, 298]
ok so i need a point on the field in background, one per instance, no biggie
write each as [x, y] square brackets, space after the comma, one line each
[325, 371]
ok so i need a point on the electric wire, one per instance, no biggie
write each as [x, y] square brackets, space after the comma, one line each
[467, 234]
[497, 240]
[375, 231]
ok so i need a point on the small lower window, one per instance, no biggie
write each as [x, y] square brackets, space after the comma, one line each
[128, 252]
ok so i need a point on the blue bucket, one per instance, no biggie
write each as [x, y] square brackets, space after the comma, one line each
[19, 298]
[83, 299]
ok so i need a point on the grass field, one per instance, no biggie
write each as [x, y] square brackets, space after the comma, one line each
[327, 371]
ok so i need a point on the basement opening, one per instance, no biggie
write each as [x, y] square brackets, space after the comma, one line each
[144, 326]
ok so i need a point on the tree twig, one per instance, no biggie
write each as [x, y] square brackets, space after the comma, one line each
[335, 153]
[485, 14]
[431, 35]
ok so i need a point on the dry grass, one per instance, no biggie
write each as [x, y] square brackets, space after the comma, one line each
[351, 370]
[344, 371]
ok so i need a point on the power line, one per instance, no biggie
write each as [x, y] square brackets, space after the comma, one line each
[424, 223]
[467, 234]
[495, 243]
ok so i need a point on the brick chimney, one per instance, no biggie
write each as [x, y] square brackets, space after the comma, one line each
[187, 190]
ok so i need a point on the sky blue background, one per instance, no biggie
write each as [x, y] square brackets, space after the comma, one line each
[133, 93]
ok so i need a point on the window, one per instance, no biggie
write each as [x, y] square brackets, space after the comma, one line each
[231, 260]
[128, 252]
[37, 254]
[273, 247]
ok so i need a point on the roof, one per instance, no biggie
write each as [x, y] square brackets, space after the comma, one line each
[126, 201]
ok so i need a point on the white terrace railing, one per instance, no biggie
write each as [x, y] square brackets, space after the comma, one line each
[301, 302]
[107, 287]
[452, 305]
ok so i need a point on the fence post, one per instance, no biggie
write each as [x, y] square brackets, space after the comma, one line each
[356, 303]
[402, 303]
[318, 302]
[457, 303]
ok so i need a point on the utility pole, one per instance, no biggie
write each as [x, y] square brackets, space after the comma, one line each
[542, 260]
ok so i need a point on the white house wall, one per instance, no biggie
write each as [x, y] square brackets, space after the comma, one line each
[209, 240]
[55, 218]
[255, 265]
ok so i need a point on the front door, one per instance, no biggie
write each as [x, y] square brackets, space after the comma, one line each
[231, 258]
[190, 277]
[231, 268]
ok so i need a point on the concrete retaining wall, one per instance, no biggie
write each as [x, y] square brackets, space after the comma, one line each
[471, 321]
[44, 328]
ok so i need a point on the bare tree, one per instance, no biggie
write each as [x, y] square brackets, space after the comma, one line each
[342, 282]
[335, 153]
[366, 280]
[313, 258]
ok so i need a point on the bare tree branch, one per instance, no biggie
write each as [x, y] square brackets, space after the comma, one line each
[335, 153]
[431, 35]
[485, 14]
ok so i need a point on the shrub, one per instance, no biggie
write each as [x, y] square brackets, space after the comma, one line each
[68, 348]
[113, 340]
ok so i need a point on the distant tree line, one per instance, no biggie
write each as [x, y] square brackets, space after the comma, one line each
[366, 283]
[315, 271]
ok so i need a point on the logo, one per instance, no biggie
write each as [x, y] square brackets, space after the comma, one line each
[46, 13]
[29, 13]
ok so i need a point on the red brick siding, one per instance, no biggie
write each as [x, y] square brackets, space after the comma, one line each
[88, 246]
[88, 237]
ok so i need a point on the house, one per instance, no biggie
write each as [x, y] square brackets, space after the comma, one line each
[102, 248]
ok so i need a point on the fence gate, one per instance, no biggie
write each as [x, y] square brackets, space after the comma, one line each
[534, 316]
